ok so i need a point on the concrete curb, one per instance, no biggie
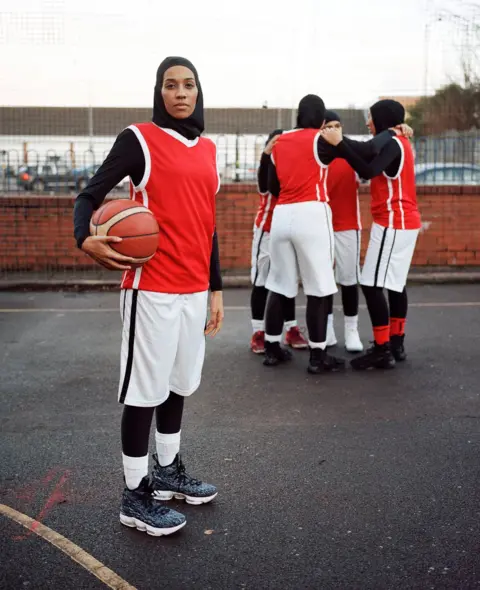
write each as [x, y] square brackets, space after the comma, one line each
[229, 282]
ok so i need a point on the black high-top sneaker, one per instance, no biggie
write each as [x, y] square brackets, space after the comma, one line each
[379, 356]
[172, 481]
[398, 348]
[139, 510]
[322, 362]
[275, 354]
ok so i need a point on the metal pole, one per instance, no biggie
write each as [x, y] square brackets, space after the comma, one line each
[90, 127]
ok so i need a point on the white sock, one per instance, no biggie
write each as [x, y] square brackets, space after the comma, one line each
[322, 345]
[291, 324]
[330, 320]
[269, 338]
[135, 469]
[351, 322]
[258, 326]
[168, 446]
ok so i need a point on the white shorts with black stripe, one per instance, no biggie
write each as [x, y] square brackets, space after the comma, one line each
[260, 257]
[301, 242]
[347, 257]
[388, 257]
[163, 345]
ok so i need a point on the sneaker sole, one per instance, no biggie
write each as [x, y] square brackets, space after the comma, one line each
[258, 351]
[374, 367]
[165, 496]
[297, 346]
[354, 350]
[134, 523]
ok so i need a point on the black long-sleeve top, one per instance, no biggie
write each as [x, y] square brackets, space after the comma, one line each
[388, 160]
[125, 159]
[364, 151]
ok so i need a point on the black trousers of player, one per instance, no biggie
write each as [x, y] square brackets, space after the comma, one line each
[258, 303]
[349, 300]
[136, 424]
[316, 316]
[378, 308]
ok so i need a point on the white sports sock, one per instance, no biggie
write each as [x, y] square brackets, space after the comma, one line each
[269, 338]
[322, 345]
[168, 446]
[330, 320]
[291, 324]
[135, 469]
[258, 326]
[351, 322]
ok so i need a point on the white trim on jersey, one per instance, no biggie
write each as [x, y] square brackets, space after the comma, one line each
[359, 214]
[146, 155]
[272, 158]
[138, 271]
[187, 142]
[390, 188]
[216, 166]
[325, 176]
[402, 160]
[267, 210]
[315, 152]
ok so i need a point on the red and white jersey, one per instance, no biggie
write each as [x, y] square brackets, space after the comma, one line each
[263, 220]
[302, 176]
[394, 200]
[342, 189]
[179, 187]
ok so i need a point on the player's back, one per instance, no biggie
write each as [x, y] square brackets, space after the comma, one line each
[301, 174]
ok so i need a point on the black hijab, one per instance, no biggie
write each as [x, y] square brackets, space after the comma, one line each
[311, 112]
[273, 134]
[191, 127]
[387, 113]
[331, 116]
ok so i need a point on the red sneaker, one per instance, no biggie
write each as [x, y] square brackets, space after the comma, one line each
[257, 343]
[295, 339]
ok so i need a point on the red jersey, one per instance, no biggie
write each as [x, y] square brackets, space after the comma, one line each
[394, 200]
[179, 187]
[342, 189]
[263, 220]
[302, 176]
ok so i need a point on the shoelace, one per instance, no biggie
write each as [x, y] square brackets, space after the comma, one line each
[183, 477]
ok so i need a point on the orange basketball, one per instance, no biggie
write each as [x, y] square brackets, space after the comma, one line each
[132, 222]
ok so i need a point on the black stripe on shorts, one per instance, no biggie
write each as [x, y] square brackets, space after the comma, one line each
[390, 255]
[131, 345]
[382, 245]
[257, 256]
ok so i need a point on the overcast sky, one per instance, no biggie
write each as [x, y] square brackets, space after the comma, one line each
[105, 52]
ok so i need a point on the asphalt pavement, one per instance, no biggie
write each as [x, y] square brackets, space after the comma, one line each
[349, 481]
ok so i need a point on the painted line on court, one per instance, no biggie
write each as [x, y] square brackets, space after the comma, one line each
[76, 553]
[227, 308]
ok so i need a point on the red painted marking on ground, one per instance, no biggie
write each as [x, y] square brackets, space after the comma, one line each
[56, 497]
[27, 493]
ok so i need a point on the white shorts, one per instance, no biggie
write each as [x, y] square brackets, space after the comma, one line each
[347, 257]
[260, 257]
[163, 345]
[301, 241]
[388, 257]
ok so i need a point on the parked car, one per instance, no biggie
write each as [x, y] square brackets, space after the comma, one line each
[53, 176]
[448, 173]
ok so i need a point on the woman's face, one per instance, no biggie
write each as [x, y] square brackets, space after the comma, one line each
[179, 92]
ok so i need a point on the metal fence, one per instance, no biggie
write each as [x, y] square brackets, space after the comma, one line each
[64, 165]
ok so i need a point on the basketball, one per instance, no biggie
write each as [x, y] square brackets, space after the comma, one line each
[132, 222]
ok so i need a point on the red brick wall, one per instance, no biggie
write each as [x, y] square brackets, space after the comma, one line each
[36, 231]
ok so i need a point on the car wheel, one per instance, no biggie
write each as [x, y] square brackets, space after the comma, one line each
[38, 186]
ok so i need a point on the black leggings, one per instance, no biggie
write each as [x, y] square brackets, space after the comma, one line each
[349, 300]
[258, 302]
[279, 310]
[317, 317]
[136, 424]
[378, 307]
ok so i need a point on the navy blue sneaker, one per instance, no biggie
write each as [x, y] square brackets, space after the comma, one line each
[173, 482]
[139, 510]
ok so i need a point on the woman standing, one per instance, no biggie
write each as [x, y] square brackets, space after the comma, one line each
[164, 303]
